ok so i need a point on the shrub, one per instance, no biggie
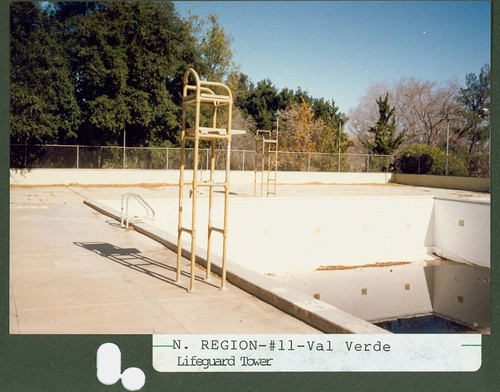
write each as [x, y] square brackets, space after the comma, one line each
[425, 159]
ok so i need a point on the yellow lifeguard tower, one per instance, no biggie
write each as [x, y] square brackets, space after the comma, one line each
[195, 95]
[266, 162]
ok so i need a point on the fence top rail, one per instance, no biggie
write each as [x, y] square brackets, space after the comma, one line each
[234, 150]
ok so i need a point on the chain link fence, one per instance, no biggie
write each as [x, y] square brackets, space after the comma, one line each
[105, 157]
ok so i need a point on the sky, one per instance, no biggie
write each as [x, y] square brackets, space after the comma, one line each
[337, 49]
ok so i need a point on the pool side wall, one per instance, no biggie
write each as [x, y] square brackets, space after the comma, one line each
[135, 176]
[474, 184]
[462, 230]
[44, 177]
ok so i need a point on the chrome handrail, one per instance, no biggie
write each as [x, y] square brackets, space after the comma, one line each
[141, 201]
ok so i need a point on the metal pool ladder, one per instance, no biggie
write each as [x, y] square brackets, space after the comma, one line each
[126, 197]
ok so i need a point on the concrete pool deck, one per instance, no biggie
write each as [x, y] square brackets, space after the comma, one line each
[75, 271]
[79, 272]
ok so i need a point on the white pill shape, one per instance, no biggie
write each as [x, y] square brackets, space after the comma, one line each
[108, 363]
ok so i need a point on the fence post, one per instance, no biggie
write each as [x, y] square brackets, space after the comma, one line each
[309, 162]
[339, 164]
[418, 170]
[243, 168]
[167, 159]
[77, 156]
[368, 163]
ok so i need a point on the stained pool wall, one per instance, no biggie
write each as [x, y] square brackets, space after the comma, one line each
[284, 234]
[270, 235]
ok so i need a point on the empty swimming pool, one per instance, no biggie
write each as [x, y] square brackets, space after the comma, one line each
[374, 257]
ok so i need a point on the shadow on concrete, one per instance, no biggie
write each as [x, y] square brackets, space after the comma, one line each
[133, 259]
[232, 193]
[113, 223]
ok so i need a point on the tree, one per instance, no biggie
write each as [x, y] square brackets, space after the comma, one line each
[313, 128]
[333, 132]
[262, 103]
[240, 86]
[474, 98]
[213, 47]
[299, 129]
[43, 105]
[159, 50]
[385, 140]
[99, 65]
[287, 98]
[424, 109]
[127, 61]
[421, 110]
[94, 72]
[366, 114]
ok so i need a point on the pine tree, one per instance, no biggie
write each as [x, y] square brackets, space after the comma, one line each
[385, 140]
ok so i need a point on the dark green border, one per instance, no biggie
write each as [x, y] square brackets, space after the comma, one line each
[67, 363]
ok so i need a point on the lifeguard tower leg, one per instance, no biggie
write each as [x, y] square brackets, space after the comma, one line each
[179, 227]
[210, 203]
